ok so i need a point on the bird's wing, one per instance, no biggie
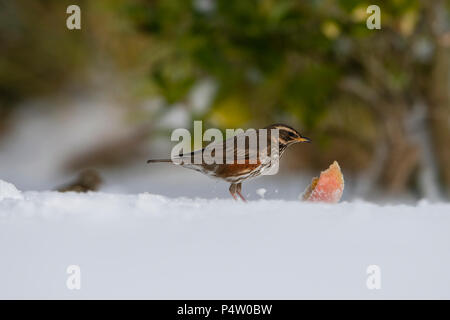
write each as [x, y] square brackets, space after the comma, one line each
[225, 148]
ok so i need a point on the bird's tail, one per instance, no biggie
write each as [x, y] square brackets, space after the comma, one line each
[158, 160]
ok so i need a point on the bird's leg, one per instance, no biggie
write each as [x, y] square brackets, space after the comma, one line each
[239, 189]
[233, 188]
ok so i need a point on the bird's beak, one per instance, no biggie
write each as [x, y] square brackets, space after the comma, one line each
[304, 139]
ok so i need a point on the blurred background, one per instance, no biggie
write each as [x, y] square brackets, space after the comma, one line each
[108, 96]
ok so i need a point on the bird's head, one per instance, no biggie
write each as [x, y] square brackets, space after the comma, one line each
[288, 135]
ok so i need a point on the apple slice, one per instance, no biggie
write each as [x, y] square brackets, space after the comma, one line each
[327, 188]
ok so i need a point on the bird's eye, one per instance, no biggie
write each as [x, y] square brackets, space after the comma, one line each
[292, 135]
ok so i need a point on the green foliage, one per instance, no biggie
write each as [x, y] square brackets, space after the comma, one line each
[37, 51]
[246, 46]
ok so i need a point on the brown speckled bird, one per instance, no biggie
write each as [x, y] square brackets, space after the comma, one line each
[254, 160]
[87, 180]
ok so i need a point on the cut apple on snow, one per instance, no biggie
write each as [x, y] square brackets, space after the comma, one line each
[327, 188]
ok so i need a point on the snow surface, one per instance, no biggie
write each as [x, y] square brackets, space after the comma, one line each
[9, 191]
[151, 246]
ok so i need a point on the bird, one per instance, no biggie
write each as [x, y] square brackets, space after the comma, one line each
[87, 180]
[248, 160]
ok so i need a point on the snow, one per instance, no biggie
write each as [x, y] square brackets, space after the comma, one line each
[261, 192]
[151, 246]
[9, 191]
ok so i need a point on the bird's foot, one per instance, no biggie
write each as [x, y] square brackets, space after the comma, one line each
[242, 197]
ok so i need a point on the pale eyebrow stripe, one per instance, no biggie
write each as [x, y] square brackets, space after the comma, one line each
[287, 129]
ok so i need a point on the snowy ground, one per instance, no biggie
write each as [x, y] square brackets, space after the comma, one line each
[151, 246]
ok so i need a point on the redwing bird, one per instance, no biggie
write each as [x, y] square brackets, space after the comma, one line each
[247, 160]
